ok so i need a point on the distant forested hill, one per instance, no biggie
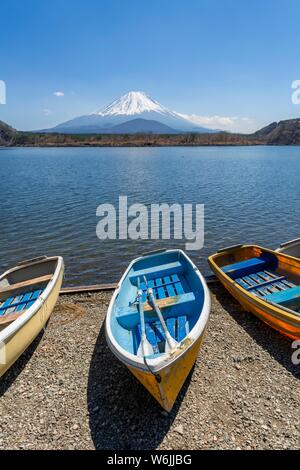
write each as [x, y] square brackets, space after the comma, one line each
[6, 134]
[281, 133]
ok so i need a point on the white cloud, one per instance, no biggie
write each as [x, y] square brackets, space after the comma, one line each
[47, 112]
[58, 93]
[225, 123]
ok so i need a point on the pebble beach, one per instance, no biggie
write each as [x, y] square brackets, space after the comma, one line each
[68, 391]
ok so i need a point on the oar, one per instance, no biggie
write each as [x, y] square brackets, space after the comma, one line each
[170, 342]
[145, 348]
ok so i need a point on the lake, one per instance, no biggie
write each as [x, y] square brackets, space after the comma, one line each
[49, 198]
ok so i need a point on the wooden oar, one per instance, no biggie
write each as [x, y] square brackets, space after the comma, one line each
[171, 343]
[145, 348]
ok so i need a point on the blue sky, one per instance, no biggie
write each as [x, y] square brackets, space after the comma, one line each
[230, 59]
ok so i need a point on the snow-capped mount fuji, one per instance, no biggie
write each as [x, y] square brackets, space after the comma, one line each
[133, 103]
[142, 113]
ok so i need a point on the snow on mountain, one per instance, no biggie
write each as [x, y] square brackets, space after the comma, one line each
[133, 105]
[134, 102]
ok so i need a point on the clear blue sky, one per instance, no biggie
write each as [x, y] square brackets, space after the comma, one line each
[232, 58]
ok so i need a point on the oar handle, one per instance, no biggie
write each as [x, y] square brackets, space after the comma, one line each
[141, 309]
[145, 345]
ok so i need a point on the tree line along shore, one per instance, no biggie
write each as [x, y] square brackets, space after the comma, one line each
[281, 133]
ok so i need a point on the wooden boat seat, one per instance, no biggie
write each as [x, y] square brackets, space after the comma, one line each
[17, 304]
[248, 266]
[128, 317]
[178, 327]
[289, 296]
[10, 317]
[29, 282]
[170, 301]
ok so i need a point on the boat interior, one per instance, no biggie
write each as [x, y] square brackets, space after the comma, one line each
[291, 248]
[268, 275]
[178, 292]
[21, 287]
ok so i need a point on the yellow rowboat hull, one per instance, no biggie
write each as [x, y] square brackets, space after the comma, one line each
[182, 295]
[171, 378]
[281, 319]
[16, 337]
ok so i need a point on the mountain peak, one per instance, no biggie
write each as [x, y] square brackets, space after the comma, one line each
[134, 102]
[133, 105]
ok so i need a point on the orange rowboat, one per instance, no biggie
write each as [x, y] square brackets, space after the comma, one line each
[265, 282]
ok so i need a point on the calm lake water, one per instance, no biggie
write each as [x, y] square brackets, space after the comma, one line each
[49, 199]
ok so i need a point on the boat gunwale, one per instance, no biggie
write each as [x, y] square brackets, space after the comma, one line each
[275, 309]
[17, 324]
[165, 359]
[292, 246]
[289, 244]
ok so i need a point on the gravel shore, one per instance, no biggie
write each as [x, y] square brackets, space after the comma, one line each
[69, 392]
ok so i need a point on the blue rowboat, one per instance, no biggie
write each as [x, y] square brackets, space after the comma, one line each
[156, 321]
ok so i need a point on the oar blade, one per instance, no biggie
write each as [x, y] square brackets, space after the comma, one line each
[145, 348]
[171, 344]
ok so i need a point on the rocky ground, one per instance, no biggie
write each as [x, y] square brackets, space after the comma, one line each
[69, 392]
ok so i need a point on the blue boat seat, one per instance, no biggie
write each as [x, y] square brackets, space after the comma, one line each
[178, 328]
[283, 297]
[246, 267]
[151, 337]
[261, 279]
[19, 302]
[264, 283]
[160, 334]
[182, 327]
[171, 325]
[163, 286]
[161, 271]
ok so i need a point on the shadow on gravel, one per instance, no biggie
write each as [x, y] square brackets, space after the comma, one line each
[10, 376]
[122, 414]
[277, 345]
